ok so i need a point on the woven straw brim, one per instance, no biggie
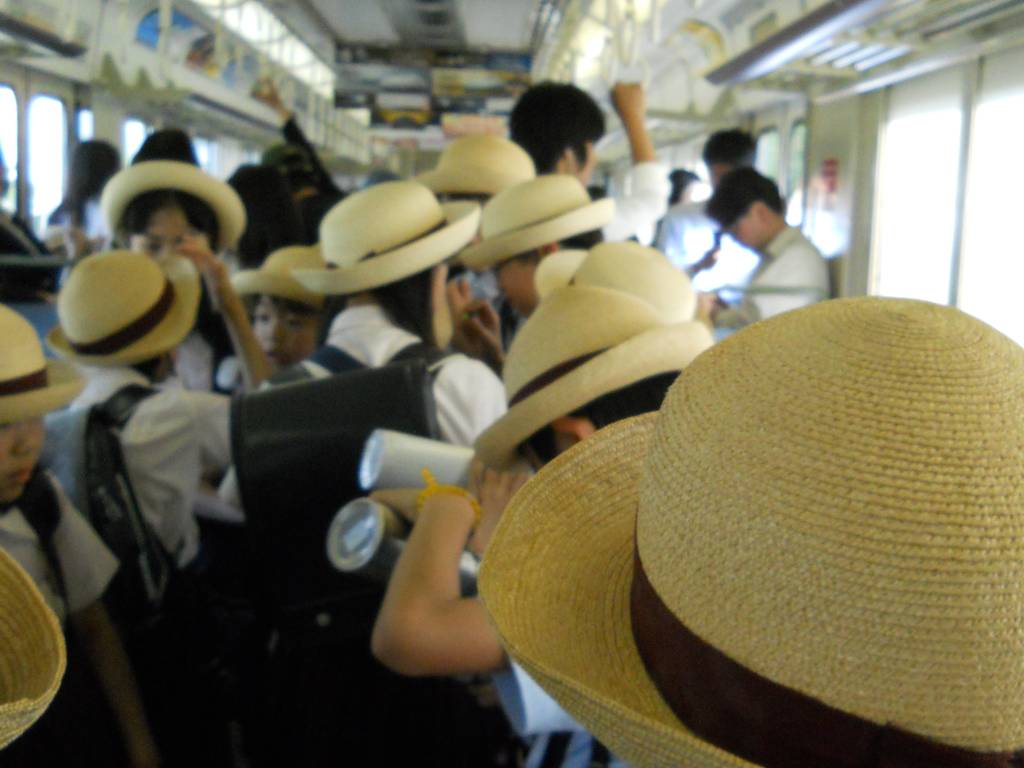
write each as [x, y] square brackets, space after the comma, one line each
[152, 175]
[63, 385]
[567, 623]
[556, 270]
[490, 251]
[32, 655]
[659, 350]
[258, 282]
[392, 266]
[468, 180]
[167, 334]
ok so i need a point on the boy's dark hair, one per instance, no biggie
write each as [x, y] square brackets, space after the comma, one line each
[200, 216]
[407, 303]
[272, 218]
[737, 191]
[167, 144]
[639, 397]
[733, 147]
[150, 368]
[551, 117]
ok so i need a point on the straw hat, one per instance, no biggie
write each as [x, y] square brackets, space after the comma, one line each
[827, 510]
[30, 385]
[152, 175]
[386, 233]
[532, 214]
[582, 343]
[478, 165]
[274, 277]
[121, 308]
[629, 267]
[32, 654]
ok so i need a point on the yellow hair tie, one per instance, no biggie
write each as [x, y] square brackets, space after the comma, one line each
[433, 488]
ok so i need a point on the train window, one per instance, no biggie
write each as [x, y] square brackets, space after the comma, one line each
[767, 162]
[991, 270]
[47, 154]
[206, 153]
[85, 127]
[133, 133]
[796, 173]
[916, 191]
[9, 146]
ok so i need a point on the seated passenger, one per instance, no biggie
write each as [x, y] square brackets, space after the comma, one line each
[71, 567]
[522, 225]
[162, 208]
[792, 273]
[797, 560]
[286, 317]
[386, 248]
[558, 124]
[592, 353]
[17, 238]
[122, 315]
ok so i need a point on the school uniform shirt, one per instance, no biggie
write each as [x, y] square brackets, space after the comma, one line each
[537, 718]
[792, 274]
[469, 396]
[642, 202]
[87, 564]
[173, 439]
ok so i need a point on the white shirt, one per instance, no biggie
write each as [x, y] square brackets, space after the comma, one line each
[469, 396]
[535, 716]
[643, 202]
[792, 274]
[173, 439]
[87, 565]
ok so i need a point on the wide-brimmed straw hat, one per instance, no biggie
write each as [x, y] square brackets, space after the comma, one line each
[629, 267]
[478, 165]
[386, 233]
[121, 308]
[274, 277]
[533, 214]
[581, 343]
[32, 654]
[152, 175]
[812, 552]
[30, 385]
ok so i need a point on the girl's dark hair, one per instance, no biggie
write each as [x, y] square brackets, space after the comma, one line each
[167, 144]
[272, 218]
[92, 165]
[285, 305]
[640, 397]
[200, 216]
[407, 303]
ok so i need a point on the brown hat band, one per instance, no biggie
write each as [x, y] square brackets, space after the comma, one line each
[766, 723]
[28, 382]
[550, 376]
[132, 332]
[440, 225]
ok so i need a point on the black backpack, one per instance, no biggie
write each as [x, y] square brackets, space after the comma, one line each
[83, 448]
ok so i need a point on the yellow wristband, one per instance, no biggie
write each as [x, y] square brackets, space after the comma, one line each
[433, 488]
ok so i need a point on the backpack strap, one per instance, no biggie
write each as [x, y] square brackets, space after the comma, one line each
[420, 350]
[38, 504]
[334, 360]
[117, 409]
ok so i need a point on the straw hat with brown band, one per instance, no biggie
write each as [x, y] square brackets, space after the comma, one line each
[535, 213]
[32, 654]
[151, 175]
[122, 308]
[30, 385]
[810, 556]
[581, 343]
[386, 233]
[478, 165]
[629, 267]
[274, 277]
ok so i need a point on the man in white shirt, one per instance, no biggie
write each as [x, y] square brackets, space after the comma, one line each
[791, 273]
[558, 124]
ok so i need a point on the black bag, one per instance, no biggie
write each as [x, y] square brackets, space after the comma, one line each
[84, 450]
[296, 449]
